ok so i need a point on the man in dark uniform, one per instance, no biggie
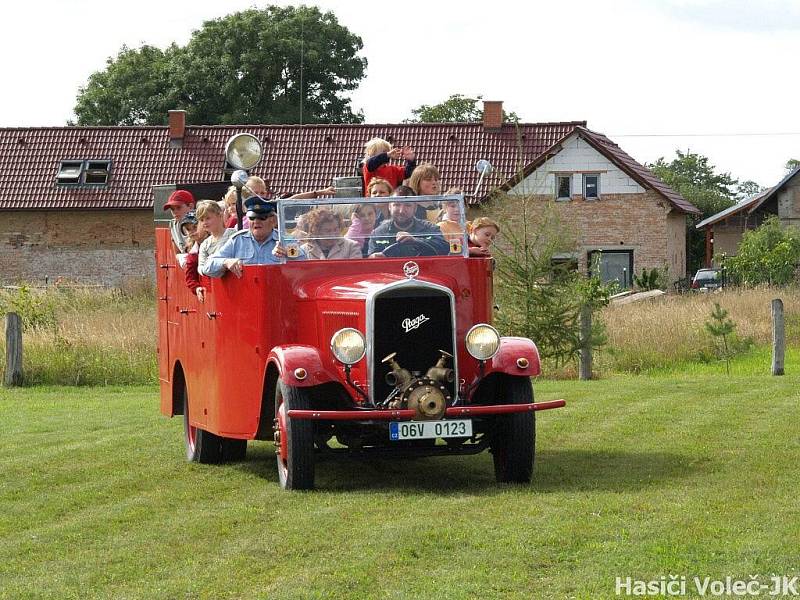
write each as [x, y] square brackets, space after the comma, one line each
[404, 228]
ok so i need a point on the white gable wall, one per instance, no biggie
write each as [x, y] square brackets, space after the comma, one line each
[577, 157]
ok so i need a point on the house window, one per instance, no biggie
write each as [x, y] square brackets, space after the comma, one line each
[69, 172]
[612, 265]
[591, 185]
[93, 173]
[563, 187]
[97, 172]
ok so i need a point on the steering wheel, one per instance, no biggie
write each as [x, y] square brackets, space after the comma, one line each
[416, 247]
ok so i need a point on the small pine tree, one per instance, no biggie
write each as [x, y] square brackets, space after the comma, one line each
[721, 328]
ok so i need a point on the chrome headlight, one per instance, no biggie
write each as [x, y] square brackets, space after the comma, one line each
[244, 151]
[348, 345]
[482, 341]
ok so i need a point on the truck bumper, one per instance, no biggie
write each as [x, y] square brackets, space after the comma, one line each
[407, 414]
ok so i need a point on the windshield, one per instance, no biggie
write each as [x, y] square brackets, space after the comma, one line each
[707, 276]
[392, 227]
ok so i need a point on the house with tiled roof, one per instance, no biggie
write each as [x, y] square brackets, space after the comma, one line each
[78, 202]
[724, 230]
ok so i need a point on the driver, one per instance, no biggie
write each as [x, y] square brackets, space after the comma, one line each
[402, 227]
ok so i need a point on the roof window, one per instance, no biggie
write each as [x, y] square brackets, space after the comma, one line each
[91, 173]
[69, 172]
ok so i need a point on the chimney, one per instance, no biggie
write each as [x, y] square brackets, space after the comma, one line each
[177, 127]
[492, 115]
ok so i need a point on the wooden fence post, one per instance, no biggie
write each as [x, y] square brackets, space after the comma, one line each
[778, 337]
[13, 374]
[585, 362]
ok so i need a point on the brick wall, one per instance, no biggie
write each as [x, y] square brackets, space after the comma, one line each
[644, 223]
[107, 247]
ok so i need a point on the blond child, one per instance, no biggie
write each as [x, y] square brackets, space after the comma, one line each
[450, 218]
[482, 233]
[210, 215]
[377, 154]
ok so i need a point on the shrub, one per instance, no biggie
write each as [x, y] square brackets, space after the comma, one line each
[35, 310]
[768, 254]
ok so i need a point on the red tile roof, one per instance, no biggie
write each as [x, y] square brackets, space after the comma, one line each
[297, 157]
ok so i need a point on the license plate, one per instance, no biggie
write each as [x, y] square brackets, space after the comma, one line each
[427, 430]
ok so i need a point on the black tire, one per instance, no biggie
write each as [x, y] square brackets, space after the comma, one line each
[201, 446]
[296, 468]
[514, 435]
[233, 449]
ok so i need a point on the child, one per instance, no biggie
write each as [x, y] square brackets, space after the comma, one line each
[195, 234]
[210, 216]
[450, 218]
[377, 154]
[482, 233]
[362, 222]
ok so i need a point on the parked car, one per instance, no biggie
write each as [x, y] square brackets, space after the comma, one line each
[708, 279]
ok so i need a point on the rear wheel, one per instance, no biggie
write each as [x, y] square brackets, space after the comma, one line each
[294, 439]
[201, 446]
[514, 435]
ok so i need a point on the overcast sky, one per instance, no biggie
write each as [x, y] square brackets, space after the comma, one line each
[654, 75]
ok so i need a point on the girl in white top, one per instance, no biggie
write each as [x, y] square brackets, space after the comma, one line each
[211, 216]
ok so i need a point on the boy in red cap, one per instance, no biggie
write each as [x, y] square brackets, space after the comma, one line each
[180, 202]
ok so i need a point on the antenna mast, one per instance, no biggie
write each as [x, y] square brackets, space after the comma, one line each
[302, 58]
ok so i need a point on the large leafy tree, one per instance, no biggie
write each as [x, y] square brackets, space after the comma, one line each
[456, 109]
[135, 89]
[696, 179]
[276, 65]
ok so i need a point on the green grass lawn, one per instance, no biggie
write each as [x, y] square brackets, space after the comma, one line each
[637, 476]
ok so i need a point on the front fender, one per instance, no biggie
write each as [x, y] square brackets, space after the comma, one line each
[291, 357]
[511, 350]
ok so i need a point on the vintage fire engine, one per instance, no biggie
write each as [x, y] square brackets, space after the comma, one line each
[394, 355]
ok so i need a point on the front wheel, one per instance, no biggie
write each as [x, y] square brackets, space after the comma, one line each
[294, 439]
[514, 435]
[201, 446]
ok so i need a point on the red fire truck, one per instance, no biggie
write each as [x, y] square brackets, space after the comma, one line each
[393, 356]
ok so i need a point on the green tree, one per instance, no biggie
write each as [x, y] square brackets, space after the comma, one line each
[695, 178]
[271, 65]
[792, 164]
[540, 297]
[721, 328]
[456, 109]
[769, 254]
[747, 189]
[134, 89]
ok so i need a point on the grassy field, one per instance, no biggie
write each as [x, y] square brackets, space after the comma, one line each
[102, 337]
[640, 476]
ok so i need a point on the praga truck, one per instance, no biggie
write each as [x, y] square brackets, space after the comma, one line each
[392, 356]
